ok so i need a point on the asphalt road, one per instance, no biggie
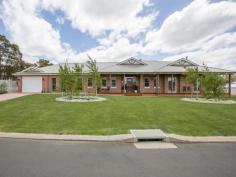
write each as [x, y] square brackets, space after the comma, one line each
[29, 158]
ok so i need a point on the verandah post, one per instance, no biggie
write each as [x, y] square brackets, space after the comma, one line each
[172, 84]
[229, 85]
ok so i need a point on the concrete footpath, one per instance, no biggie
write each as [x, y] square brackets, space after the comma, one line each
[118, 138]
[10, 96]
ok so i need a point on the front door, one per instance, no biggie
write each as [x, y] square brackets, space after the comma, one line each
[130, 82]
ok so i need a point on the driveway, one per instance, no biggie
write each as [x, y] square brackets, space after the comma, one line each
[27, 158]
[9, 96]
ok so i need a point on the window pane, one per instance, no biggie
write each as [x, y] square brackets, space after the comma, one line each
[170, 84]
[113, 82]
[54, 81]
[104, 82]
[146, 82]
[90, 82]
[197, 86]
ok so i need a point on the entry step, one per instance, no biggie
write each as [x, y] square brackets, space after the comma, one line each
[148, 134]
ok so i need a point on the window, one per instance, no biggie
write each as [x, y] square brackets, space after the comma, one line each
[156, 83]
[197, 86]
[172, 84]
[146, 82]
[54, 82]
[113, 82]
[90, 82]
[104, 82]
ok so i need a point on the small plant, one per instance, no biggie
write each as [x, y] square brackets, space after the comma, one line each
[71, 79]
[93, 71]
[193, 77]
[135, 88]
[3, 88]
[213, 84]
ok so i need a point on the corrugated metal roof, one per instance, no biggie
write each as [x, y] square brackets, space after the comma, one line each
[116, 67]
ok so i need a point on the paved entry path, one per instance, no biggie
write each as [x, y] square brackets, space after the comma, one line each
[9, 96]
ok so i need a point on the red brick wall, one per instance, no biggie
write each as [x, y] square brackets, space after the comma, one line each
[47, 83]
[151, 88]
[163, 83]
[118, 84]
[19, 84]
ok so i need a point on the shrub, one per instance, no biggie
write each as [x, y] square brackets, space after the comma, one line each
[213, 85]
[135, 87]
[3, 88]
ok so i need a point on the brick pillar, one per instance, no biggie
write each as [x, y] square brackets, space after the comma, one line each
[229, 85]
[19, 84]
[141, 83]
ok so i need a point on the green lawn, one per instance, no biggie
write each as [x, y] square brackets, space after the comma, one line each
[42, 114]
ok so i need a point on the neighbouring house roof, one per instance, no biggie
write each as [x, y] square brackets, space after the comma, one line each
[131, 65]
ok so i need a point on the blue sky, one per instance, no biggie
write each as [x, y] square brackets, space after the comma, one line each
[110, 30]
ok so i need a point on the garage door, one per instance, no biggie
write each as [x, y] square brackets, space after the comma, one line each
[32, 84]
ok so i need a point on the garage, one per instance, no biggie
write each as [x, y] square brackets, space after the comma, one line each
[32, 84]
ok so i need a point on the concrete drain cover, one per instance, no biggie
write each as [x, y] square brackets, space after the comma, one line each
[148, 134]
[154, 145]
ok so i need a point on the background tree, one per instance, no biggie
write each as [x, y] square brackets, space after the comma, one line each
[193, 77]
[43, 62]
[93, 72]
[213, 84]
[10, 58]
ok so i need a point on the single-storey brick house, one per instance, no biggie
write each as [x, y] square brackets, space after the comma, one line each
[129, 76]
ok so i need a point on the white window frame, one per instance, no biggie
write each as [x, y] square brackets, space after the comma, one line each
[157, 83]
[88, 82]
[169, 79]
[145, 82]
[197, 84]
[113, 78]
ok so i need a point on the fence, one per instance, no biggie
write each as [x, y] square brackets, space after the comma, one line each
[11, 85]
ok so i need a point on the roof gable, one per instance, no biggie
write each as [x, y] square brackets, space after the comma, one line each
[132, 61]
[182, 62]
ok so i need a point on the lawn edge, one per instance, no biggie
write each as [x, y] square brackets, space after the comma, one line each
[128, 138]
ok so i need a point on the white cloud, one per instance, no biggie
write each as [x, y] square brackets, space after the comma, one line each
[35, 36]
[219, 58]
[117, 51]
[112, 21]
[201, 30]
[191, 27]
[96, 17]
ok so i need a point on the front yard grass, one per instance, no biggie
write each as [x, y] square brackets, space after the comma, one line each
[42, 114]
